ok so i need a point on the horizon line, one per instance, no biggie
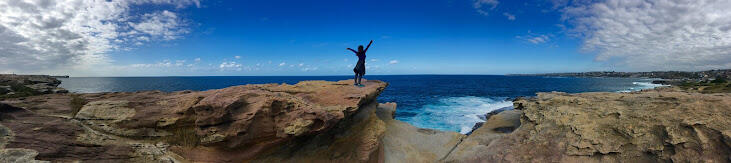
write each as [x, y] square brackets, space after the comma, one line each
[266, 75]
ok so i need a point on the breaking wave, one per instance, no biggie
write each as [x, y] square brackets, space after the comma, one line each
[637, 86]
[456, 113]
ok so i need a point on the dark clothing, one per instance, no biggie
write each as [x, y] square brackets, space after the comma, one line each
[359, 69]
[360, 66]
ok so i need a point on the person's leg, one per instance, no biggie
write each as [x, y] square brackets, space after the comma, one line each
[360, 77]
[355, 79]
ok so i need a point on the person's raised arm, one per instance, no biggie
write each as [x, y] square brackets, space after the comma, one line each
[352, 50]
[369, 45]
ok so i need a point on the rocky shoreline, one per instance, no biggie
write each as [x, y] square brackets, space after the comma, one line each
[658, 125]
[320, 121]
[12, 86]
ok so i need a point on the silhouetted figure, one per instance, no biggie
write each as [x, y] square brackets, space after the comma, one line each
[359, 69]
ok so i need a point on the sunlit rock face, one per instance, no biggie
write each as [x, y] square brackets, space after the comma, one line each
[658, 125]
[224, 125]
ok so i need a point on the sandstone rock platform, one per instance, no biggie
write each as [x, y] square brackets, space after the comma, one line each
[233, 124]
[660, 125]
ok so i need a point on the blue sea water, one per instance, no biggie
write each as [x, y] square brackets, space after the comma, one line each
[443, 102]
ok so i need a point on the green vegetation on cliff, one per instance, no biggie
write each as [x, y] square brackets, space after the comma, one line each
[719, 85]
[13, 90]
[14, 86]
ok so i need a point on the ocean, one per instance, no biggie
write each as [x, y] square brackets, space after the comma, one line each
[442, 102]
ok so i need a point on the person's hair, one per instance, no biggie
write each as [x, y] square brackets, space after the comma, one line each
[360, 47]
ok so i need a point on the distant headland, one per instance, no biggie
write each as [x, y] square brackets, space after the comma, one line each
[709, 81]
[682, 75]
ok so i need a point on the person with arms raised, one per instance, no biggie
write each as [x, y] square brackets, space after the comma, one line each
[359, 69]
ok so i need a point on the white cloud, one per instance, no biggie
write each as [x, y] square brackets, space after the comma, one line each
[197, 59]
[162, 24]
[482, 6]
[393, 62]
[237, 57]
[177, 3]
[374, 60]
[301, 64]
[509, 16]
[179, 62]
[282, 64]
[654, 35]
[535, 39]
[309, 69]
[163, 64]
[230, 66]
[66, 35]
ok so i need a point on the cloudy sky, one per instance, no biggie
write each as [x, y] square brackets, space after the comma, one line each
[263, 37]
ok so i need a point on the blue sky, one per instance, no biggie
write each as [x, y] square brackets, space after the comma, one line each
[432, 37]
[191, 37]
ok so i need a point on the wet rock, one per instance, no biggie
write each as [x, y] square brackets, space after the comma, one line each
[475, 127]
[494, 112]
[663, 82]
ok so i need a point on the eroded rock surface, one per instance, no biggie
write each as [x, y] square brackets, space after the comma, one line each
[406, 143]
[476, 144]
[357, 139]
[233, 124]
[52, 139]
[650, 126]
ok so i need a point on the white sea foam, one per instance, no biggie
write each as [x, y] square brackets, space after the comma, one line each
[456, 113]
[642, 85]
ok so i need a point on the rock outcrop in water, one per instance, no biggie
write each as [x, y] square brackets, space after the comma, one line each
[319, 121]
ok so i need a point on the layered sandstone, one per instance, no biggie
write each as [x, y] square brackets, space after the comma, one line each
[658, 125]
[225, 125]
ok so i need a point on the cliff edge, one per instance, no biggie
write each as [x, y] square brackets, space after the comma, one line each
[234, 124]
